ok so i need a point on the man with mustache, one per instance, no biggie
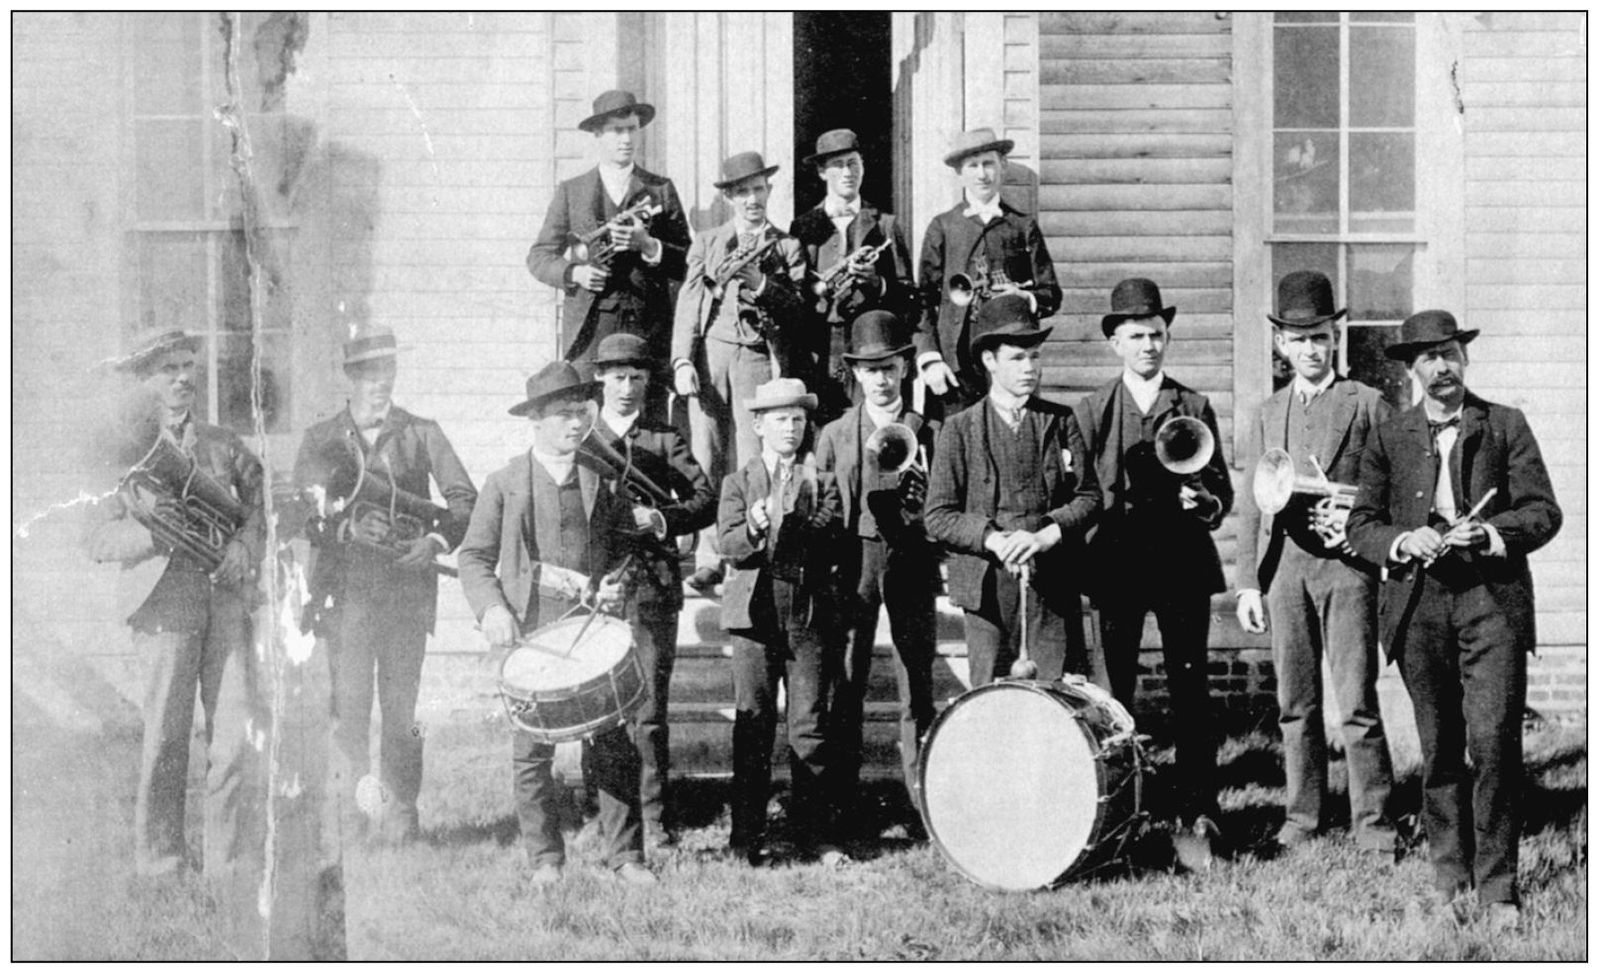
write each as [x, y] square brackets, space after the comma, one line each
[1321, 595]
[1452, 498]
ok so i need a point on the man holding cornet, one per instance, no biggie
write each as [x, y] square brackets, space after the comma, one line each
[373, 579]
[1452, 497]
[1165, 488]
[1321, 595]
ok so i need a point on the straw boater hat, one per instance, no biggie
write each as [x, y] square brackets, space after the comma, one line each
[974, 141]
[833, 143]
[1427, 329]
[780, 394]
[876, 335]
[1008, 318]
[1305, 301]
[740, 167]
[368, 345]
[624, 348]
[151, 343]
[552, 380]
[1137, 297]
[612, 103]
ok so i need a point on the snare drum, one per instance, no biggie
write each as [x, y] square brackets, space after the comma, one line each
[561, 689]
[1026, 784]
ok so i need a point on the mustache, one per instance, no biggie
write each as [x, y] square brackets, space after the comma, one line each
[1445, 380]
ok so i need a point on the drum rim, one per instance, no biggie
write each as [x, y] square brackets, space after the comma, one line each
[588, 729]
[1102, 809]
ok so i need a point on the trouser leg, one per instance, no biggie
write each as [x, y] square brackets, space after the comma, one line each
[709, 434]
[536, 800]
[1297, 642]
[1183, 625]
[655, 637]
[1431, 673]
[912, 618]
[988, 637]
[173, 662]
[352, 667]
[618, 769]
[399, 663]
[1347, 603]
[807, 671]
[1493, 672]
[1120, 627]
[239, 727]
[861, 608]
[753, 735]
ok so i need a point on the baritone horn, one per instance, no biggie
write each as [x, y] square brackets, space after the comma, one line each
[204, 514]
[1184, 444]
[1275, 482]
[355, 491]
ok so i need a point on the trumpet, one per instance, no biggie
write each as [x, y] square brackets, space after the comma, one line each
[1275, 482]
[639, 485]
[985, 284]
[1184, 445]
[204, 514]
[597, 246]
[837, 278]
[738, 259]
[354, 492]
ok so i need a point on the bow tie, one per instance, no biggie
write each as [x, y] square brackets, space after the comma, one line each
[984, 212]
[1437, 427]
[837, 208]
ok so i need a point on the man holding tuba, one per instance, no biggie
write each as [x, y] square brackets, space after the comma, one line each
[1321, 595]
[373, 593]
[186, 593]
[1152, 549]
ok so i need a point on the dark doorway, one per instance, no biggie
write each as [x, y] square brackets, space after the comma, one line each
[841, 80]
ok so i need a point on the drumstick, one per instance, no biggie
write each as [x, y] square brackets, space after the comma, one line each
[1024, 668]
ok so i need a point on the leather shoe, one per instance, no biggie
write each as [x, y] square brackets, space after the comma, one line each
[705, 580]
[546, 874]
[1292, 835]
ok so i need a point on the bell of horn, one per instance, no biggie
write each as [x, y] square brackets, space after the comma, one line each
[892, 449]
[1184, 445]
[962, 290]
[1275, 482]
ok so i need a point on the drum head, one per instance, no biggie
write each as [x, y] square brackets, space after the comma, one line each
[552, 659]
[1011, 786]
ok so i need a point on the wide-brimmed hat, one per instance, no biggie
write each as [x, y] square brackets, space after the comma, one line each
[834, 142]
[1427, 329]
[612, 103]
[1137, 297]
[780, 394]
[624, 348]
[152, 342]
[368, 345]
[737, 168]
[876, 335]
[1008, 318]
[974, 141]
[1305, 300]
[553, 379]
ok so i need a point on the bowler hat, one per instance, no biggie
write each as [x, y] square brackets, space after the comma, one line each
[779, 394]
[612, 103]
[624, 348]
[1427, 329]
[1008, 318]
[152, 342]
[1137, 297]
[1305, 300]
[876, 335]
[740, 167]
[370, 344]
[833, 143]
[974, 141]
[553, 379]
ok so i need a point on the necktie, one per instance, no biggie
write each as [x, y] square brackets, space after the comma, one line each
[1437, 426]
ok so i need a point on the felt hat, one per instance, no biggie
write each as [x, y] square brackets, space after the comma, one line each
[1427, 329]
[1008, 318]
[370, 344]
[624, 348]
[612, 103]
[833, 143]
[974, 141]
[553, 379]
[152, 342]
[1305, 300]
[779, 394]
[876, 335]
[737, 168]
[1137, 297]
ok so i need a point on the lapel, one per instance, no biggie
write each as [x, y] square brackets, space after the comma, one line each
[521, 497]
[589, 488]
[1342, 411]
[968, 232]
[1471, 432]
[1169, 401]
[861, 225]
[1275, 417]
[854, 447]
[395, 422]
[1421, 457]
[595, 207]
[634, 186]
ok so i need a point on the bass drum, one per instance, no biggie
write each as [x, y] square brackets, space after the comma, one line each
[572, 679]
[1025, 784]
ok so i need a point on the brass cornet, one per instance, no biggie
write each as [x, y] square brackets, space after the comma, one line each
[738, 259]
[836, 279]
[982, 286]
[597, 246]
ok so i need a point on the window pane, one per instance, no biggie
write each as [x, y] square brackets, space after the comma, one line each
[1379, 17]
[234, 297]
[1379, 282]
[1363, 351]
[1381, 182]
[165, 63]
[1307, 194]
[234, 381]
[172, 281]
[1302, 17]
[168, 173]
[1382, 77]
[1307, 78]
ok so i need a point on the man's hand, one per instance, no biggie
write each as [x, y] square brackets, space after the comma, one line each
[644, 519]
[499, 627]
[749, 276]
[1327, 518]
[631, 236]
[759, 517]
[913, 488]
[864, 273]
[1468, 534]
[374, 527]
[235, 567]
[1021, 546]
[938, 377]
[1424, 543]
[421, 553]
[589, 277]
[1200, 501]
[686, 380]
[611, 594]
[1249, 611]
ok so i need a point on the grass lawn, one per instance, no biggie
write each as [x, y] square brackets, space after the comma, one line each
[460, 894]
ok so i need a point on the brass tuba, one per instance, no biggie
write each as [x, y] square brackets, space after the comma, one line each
[1184, 445]
[353, 491]
[1275, 482]
[204, 514]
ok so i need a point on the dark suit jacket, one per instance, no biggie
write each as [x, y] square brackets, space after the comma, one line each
[1012, 243]
[870, 227]
[841, 451]
[634, 287]
[662, 454]
[964, 495]
[1188, 559]
[411, 450]
[1356, 411]
[149, 595]
[500, 560]
[1396, 493]
[703, 314]
[804, 553]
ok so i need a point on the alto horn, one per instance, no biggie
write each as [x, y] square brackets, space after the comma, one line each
[1275, 481]
[1184, 445]
[204, 515]
[893, 448]
[355, 490]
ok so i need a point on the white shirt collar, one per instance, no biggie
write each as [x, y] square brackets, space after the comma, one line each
[738, 230]
[557, 465]
[1006, 404]
[839, 209]
[983, 211]
[616, 181]
[881, 417]
[621, 425]
[770, 458]
[1308, 389]
[1144, 391]
[370, 433]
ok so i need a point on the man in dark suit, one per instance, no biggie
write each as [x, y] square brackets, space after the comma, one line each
[777, 523]
[625, 281]
[190, 620]
[885, 556]
[1452, 497]
[546, 531]
[1153, 543]
[1321, 595]
[838, 228]
[682, 500]
[1013, 491]
[992, 244]
[373, 592]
